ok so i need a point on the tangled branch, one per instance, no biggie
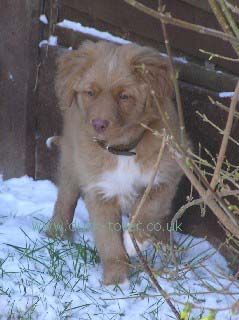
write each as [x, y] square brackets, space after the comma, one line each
[212, 194]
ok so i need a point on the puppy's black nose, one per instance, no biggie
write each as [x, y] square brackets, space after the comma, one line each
[100, 125]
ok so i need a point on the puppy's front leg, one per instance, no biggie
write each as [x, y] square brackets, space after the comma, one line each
[106, 222]
[64, 209]
[68, 194]
[153, 220]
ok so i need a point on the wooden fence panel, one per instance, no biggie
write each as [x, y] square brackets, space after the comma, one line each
[189, 72]
[123, 20]
[19, 25]
[202, 133]
[48, 116]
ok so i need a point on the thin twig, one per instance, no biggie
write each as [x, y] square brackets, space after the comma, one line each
[220, 18]
[153, 279]
[211, 203]
[223, 23]
[222, 106]
[205, 119]
[229, 17]
[150, 184]
[216, 55]
[196, 176]
[219, 209]
[232, 7]
[176, 146]
[133, 219]
[193, 305]
[37, 76]
[176, 217]
[176, 86]
[167, 19]
[227, 192]
[178, 294]
[225, 139]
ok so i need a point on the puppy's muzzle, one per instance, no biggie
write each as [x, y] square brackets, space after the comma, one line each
[100, 125]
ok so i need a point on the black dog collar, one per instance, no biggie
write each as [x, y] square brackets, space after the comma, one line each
[121, 150]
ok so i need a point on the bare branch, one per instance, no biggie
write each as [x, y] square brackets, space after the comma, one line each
[134, 216]
[152, 178]
[221, 131]
[229, 18]
[167, 19]
[222, 21]
[176, 217]
[232, 7]
[176, 86]
[225, 139]
[211, 203]
[220, 18]
[222, 106]
[216, 55]
[203, 183]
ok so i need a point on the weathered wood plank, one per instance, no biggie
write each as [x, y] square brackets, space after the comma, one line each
[209, 79]
[203, 4]
[188, 72]
[19, 25]
[48, 115]
[196, 99]
[123, 20]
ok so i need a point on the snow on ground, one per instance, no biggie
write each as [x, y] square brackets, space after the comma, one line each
[42, 278]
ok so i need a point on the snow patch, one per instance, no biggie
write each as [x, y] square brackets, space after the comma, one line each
[43, 43]
[226, 94]
[178, 59]
[43, 19]
[57, 283]
[76, 26]
[10, 76]
[52, 41]
[49, 142]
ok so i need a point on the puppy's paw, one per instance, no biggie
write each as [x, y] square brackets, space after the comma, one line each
[129, 246]
[125, 285]
[57, 231]
[115, 273]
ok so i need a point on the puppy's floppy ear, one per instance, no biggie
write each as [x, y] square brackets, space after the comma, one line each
[70, 68]
[153, 69]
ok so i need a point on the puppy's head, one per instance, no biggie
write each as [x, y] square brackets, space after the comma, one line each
[110, 86]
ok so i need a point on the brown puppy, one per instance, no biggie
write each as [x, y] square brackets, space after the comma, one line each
[104, 91]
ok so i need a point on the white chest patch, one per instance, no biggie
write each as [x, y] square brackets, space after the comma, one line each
[125, 182]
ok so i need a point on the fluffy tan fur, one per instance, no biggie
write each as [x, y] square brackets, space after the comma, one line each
[112, 82]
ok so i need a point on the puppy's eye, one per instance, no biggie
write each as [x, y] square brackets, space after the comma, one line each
[123, 97]
[90, 93]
